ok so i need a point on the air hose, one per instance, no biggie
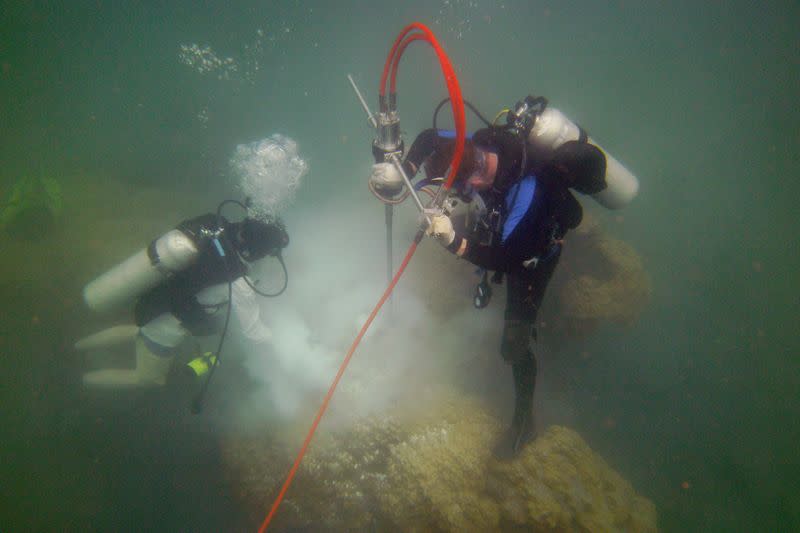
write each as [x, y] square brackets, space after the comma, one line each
[392, 61]
[197, 402]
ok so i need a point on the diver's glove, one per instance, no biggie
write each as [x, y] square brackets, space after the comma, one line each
[441, 228]
[386, 179]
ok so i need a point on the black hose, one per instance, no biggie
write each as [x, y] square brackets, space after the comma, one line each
[222, 204]
[468, 104]
[197, 403]
[285, 281]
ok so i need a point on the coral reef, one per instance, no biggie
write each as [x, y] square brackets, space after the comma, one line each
[559, 484]
[430, 469]
[436, 476]
[336, 485]
[601, 279]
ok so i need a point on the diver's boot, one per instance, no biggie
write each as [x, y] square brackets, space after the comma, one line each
[107, 338]
[523, 425]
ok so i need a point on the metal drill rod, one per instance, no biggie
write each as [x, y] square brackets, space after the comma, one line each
[394, 159]
[363, 103]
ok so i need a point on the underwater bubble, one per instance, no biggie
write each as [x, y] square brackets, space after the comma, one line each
[204, 60]
[268, 172]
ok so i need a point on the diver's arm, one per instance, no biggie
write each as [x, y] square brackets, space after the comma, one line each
[488, 257]
[422, 147]
[246, 307]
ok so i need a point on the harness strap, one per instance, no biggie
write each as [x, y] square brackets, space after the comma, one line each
[152, 253]
[155, 259]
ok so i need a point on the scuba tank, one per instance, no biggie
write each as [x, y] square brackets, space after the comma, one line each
[542, 129]
[172, 252]
[177, 250]
[547, 128]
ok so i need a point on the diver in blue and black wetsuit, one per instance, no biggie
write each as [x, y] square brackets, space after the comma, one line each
[528, 212]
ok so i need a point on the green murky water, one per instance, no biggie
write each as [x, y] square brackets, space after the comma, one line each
[696, 404]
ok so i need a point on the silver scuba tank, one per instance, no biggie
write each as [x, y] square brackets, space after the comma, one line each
[170, 253]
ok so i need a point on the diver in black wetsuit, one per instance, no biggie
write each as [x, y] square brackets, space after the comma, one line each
[528, 212]
[189, 303]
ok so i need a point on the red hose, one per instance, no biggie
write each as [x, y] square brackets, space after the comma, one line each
[400, 49]
[457, 103]
[382, 88]
[456, 99]
[332, 389]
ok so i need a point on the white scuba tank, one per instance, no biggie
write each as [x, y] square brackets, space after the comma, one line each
[552, 129]
[170, 253]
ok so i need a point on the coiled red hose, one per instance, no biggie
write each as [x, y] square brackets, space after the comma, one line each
[456, 99]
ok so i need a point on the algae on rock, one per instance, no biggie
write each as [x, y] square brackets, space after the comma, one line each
[431, 469]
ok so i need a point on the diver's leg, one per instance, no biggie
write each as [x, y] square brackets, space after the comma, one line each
[518, 335]
[152, 366]
[156, 345]
[525, 294]
[515, 350]
[111, 378]
[107, 338]
[523, 424]
[151, 371]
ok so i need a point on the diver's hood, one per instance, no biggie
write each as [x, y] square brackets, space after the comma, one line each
[256, 239]
[580, 166]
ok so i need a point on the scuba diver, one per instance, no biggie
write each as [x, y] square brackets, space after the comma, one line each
[178, 283]
[521, 178]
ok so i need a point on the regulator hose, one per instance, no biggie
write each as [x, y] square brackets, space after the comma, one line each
[466, 103]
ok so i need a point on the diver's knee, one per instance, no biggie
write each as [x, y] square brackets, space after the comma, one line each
[515, 346]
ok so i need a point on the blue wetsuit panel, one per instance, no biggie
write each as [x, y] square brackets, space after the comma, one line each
[521, 194]
[451, 134]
